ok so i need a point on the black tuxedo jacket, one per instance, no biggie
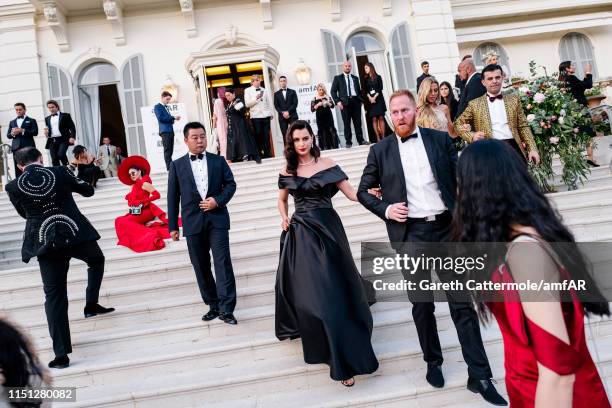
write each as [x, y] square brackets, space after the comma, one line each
[384, 169]
[66, 128]
[420, 79]
[25, 139]
[339, 91]
[288, 104]
[472, 89]
[182, 188]
[43, 196]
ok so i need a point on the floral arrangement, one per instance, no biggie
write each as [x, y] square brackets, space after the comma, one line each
[560, 126]
[594, 91]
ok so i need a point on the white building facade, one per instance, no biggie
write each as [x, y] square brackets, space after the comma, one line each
[104, 59]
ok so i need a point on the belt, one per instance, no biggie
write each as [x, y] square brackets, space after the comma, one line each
[443, 216]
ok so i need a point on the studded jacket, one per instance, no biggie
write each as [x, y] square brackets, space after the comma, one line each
[43, 196]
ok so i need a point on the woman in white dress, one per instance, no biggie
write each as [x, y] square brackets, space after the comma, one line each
[220, 121]
[430, 112]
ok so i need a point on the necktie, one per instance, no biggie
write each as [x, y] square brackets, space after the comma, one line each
[493, 98]
[404, 139]
[348, 85]
[108, 150]
[195, 157]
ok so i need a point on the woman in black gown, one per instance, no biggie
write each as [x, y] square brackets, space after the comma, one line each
[373, 88]
[86, 165]
[240, 142]
[323, 104]
[319, 292]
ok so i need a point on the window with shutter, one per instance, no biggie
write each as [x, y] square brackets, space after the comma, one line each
[401, 57]
[577, 47]
[481, 53]
[60, 87]
[133, 94]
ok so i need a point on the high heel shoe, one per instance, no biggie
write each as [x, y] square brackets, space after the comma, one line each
[348, 383]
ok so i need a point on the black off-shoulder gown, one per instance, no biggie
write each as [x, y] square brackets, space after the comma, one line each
[319, 292]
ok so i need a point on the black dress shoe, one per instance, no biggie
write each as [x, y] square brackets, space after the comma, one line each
[434, 375]
[487, 390]
[364, 143]
[228, 318]
[592, 163]
[212, 314]
[59, 362]
[94, 309]
[349, 145]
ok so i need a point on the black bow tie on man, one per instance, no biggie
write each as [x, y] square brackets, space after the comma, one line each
[20, 117]
[405, 139]
[195, 157]
[493, 98]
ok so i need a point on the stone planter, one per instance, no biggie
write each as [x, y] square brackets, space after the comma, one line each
[595, 100]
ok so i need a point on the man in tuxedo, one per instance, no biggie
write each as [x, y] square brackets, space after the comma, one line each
[165, 122]
[107, 155]
[459, 83]
[473, 87]
[346, 93]
[257, 100]
[60, 132]
[203, 184]
[415, 168]
[55, 232]
[285, 103]
[22, 130]
[498, 116]
[425, 74]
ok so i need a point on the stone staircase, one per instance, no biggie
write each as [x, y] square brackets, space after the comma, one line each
[154, 351]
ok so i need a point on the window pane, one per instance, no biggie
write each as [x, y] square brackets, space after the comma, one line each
[53, 82]
[127, 78]
[135, 63]
[129, 107]
[64, 84]
[133, 141]
[138, 103]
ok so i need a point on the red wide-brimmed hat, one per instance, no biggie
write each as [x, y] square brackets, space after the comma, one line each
[131, 162]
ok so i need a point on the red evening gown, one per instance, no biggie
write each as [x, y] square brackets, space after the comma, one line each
[526, 344]
[132, 230]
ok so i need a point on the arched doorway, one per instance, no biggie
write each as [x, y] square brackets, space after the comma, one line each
[100, 106]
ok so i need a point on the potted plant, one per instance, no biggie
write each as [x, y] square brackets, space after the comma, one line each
[594, 96]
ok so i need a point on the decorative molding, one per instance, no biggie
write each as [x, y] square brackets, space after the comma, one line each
[57, 21]
[189, 13]
[114, 14]
[94, 51]
[335, 10]
[266, 13]
[231, 35]
[387, 7]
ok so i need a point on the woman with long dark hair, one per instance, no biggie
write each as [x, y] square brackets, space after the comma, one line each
[373, 88]
[240, 141]
[447, 97]
[546, 357]
[320, 296]
[86, 165]
[19, 364]
[567, 69]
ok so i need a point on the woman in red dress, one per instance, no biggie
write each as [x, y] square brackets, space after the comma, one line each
[547, 360]
[145, 226]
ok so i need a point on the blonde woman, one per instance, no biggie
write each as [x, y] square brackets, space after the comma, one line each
[323, 104]
[430, 112]
[491, 58]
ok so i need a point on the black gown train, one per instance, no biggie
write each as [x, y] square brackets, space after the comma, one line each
[320, 296]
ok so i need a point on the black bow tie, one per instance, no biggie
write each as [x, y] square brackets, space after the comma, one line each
[414, 135]
[54, 114]
[20, 117]
[195, 157]
[493, 98]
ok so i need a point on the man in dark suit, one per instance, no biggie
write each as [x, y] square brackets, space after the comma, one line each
[60, 132]
[425, 74]
[415, 168]
[473, 87]
[285, 103]
[22, 130]
[459, 83]
[55, 232]
[346, 93]
[166, 126]
[203, 184]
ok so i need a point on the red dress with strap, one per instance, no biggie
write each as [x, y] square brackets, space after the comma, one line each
[526, 344]
[137, 232]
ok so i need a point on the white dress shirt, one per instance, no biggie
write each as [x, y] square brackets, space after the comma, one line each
[284, 93]
[200, 174]
[499, 119]
[55, 132]
[351, 84]
[422, 193]
[19, 121]
[258, 108]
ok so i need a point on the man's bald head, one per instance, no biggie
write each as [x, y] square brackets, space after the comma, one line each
[466, 68]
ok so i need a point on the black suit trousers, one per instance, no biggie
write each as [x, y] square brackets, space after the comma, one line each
[284, 125]
[58, 153]
[54, 271]
[462, 313]
[221, 294]
[168, 143]
[352, 112]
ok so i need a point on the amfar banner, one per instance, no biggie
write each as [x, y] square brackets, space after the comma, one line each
[306, 94]
[153, 141]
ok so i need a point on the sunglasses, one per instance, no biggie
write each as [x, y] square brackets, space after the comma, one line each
[133, 173]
